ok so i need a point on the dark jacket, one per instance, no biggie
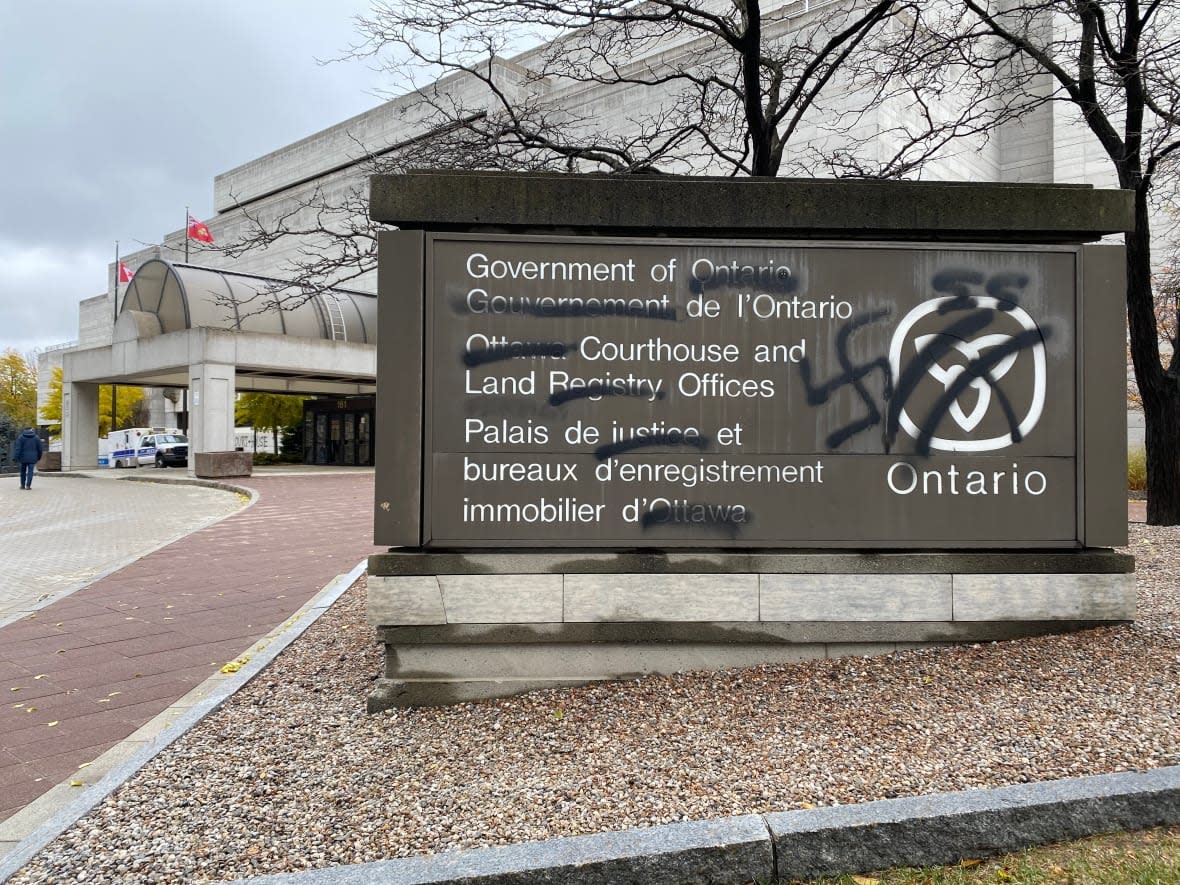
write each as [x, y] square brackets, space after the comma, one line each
[28, 447]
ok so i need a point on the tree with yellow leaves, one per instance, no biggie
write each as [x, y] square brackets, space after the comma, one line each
[269, 411]
[129, 406]
[51, 411]
[18, 388]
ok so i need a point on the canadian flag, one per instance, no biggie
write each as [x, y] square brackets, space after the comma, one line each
[198, 231]
[125, 273]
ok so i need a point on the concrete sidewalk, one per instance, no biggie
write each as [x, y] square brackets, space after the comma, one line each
[82, 673]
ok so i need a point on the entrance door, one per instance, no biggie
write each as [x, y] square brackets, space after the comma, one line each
[364, 454]
[321, 438]
[349, 448]
[334, 439]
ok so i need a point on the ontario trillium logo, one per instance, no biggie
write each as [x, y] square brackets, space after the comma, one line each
[969, 373]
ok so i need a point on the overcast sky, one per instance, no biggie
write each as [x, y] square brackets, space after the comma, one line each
[115, 116]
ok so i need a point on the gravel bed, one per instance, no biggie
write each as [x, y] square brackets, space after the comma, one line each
[291, 774]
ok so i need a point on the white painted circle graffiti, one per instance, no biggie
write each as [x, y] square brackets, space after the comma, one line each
[972, 351]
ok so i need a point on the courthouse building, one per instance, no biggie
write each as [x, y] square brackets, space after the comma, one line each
[189, 329]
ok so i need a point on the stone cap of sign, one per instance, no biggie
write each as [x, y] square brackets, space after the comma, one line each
[749, 207]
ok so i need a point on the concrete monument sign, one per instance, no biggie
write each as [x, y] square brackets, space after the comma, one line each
[632, 424]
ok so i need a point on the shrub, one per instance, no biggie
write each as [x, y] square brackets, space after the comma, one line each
[1136, 469]
[281, 458]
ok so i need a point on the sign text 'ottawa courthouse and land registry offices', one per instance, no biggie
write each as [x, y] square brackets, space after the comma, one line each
[621, 392]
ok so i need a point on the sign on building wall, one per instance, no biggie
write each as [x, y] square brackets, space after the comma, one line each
[624, 392]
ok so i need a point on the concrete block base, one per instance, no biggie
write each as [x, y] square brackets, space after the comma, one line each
[50, 462]
[215, 465]
[459, 627]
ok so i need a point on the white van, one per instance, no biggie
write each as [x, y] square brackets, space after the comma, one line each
[133, 446]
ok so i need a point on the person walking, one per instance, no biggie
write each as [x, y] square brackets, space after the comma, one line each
[27, 453]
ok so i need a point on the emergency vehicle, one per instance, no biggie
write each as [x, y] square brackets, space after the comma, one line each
[133, 446]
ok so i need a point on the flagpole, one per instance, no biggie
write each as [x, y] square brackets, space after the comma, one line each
[184, 393]
[114, 321]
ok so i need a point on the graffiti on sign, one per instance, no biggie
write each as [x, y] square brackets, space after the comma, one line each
[625, 392]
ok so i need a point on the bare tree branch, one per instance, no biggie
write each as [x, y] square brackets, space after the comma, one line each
[1117, 65]
[762, 87]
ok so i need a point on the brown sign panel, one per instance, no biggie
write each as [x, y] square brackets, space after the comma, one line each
[676, 393]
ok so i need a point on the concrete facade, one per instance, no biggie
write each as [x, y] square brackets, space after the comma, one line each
[1048, 146]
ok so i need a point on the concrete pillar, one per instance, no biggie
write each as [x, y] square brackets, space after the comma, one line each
[157, 416]
[211, 408]
[163, 408]
[79, 425]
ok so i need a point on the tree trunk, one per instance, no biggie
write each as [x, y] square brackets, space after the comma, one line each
[1158, 388]
[1163, 464]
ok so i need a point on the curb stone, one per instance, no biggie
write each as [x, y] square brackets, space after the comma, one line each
[914, 831]
[945, 828]
[175, 721]
[730, 849]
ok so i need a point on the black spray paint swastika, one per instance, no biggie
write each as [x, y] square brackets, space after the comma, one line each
[853, 375]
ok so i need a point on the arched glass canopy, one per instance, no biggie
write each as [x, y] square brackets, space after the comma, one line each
[181, 296]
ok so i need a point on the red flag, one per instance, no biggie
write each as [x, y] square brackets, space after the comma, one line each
[125, 273]
[198, 231]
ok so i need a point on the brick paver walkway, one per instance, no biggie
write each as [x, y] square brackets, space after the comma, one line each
[69, 530]
[85, 672]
